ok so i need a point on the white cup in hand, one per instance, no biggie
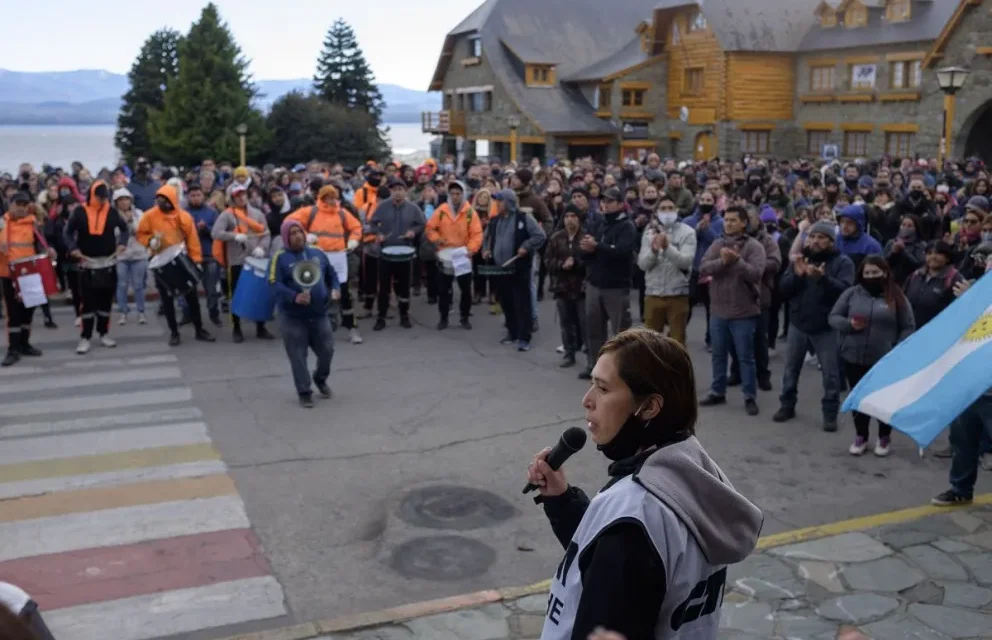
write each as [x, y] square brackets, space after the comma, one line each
[311, 238]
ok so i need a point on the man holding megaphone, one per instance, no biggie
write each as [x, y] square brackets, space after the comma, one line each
[304, 284]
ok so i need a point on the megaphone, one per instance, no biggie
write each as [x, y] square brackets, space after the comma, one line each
[306, 273]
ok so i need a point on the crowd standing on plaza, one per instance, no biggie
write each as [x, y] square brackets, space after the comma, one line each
[838, 262]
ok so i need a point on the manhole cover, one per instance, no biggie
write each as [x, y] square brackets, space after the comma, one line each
[442, 558]
[454, 508]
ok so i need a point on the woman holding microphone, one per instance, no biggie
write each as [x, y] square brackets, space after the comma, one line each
[647, 556]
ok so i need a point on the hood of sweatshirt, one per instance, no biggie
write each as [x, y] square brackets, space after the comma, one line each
[723, 522]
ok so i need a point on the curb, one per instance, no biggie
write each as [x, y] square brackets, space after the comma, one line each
[403, 613]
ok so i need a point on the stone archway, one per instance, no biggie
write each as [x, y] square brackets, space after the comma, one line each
[975, 138]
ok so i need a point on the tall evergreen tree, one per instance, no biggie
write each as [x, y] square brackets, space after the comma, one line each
[209, 98]
[343, 75]
[155, 68]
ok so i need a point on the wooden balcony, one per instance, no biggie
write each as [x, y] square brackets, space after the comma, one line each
[447, 122]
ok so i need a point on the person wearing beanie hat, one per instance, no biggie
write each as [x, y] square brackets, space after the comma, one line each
[303, 320]
[132, 265]
[455, 224]
[240, 232]
[529, 202]
[242, 176]
[336, 231]
[811, 286]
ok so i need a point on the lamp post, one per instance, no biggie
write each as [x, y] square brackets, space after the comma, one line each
[242, 130]
[514, 123]
[950, 79]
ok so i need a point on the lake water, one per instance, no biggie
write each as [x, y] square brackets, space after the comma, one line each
[60, 145]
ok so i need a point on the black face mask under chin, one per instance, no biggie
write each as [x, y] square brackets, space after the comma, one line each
[628, 441]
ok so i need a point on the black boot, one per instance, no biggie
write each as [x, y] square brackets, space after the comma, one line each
[11, 358]
[263, 334]
[25, 346]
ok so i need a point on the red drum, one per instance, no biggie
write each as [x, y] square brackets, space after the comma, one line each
[40, 264]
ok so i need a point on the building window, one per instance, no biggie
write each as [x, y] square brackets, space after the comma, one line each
[487, 101]
[755, 142]
[906, 74]
[539, 75]
[692, 81]
[815, 141]
[697, 22]
[633, 97]
[898, 10]
[855, 143]
[461, 102]
[477, 102]
[446, 101]
[899, 145]
[475, 47]
[828, 19]
[604, 96]
[821, 78]
[856, 16]
[862, 76]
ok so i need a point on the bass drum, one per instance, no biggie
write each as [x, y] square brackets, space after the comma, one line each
[175, 271]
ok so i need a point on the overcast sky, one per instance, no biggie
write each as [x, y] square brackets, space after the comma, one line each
[401, 38]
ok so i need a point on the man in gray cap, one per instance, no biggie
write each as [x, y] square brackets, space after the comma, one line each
[811, 286]
[513, 235]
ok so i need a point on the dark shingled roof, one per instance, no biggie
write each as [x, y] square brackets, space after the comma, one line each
[629, 55]
[760, 25]
[926, 21]
[474, 20]
[528, 51]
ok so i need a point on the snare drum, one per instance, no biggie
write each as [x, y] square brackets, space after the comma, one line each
[40, 264]
[98, 273]
[175, 271]
[444, 261]
[491, 270]
[398, 254]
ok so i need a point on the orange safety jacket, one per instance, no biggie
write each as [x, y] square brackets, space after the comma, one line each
[333, 226]
[461, 230]
[18, 239]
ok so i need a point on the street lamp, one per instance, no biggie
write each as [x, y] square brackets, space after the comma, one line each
[242, 130]
[514, 123]
[950, 79]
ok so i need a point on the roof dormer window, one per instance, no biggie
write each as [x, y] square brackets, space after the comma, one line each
[828, 18]
[898, 10]
[697, 22]
[856, 15]
[475, 46]
[539, 75]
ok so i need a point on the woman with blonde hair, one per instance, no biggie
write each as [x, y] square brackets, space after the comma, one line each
[485, 207]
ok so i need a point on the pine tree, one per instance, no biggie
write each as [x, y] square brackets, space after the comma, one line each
[209, 98]
[308, 127]
[343, 75]
[155, 68]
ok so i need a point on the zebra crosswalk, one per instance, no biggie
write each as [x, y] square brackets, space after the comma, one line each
[116, 512]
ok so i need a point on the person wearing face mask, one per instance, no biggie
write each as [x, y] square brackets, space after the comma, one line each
[663, 529]
[94, 234]
[143, 186]
[708, 226]
[831, 190]
[69, 200]
[567, 274]
[780, 200]
[871, 317]
[681, 196]
[906, 253]
[917, 203]
[668, 248]
[163, 226]
[851, 177]
[854, 241]
[368, 195]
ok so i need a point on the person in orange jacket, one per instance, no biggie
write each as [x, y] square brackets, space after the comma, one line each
[455, 224]
[367, 195]
[333, 229]
[18, 239]
[164, 226]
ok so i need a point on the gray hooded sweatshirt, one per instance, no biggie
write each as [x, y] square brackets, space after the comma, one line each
[695, 519]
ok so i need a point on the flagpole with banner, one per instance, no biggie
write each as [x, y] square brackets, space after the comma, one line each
[930, 378]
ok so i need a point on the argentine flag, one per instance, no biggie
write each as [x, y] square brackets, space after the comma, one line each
[930, 378]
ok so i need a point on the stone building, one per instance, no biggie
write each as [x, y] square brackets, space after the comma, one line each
[687, 78]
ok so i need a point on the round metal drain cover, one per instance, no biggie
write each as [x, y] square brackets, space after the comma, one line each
[454, 508]
[442, 558]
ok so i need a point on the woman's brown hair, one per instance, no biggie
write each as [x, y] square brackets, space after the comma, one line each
[12, 627]
[649, 363]
[893, 292]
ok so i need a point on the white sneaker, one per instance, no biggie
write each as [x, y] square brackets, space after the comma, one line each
[858, 447]
[560, 349]
[142, 319]
[882, 447]
[84, 347]
[108, 342]
[78, 322]
[123, 320]
[355, 337]
[811, 359]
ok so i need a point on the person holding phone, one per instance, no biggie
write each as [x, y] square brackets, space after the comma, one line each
[871, 318]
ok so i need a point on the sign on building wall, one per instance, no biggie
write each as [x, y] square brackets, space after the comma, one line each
[635, 130]
[863, 76]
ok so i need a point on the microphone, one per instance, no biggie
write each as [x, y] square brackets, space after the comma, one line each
[570, 443]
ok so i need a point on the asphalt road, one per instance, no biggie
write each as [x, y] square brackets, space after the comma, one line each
[361, 503]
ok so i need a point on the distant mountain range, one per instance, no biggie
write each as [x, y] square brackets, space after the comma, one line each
[94, 97]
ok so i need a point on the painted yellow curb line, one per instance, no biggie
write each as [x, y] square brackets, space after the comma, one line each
[407, 612]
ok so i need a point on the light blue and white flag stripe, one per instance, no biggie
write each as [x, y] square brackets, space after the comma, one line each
[930, 378]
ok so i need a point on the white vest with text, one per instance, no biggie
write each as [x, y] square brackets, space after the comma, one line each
[691, 608]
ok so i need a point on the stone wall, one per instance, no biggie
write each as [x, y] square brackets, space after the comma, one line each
[974, 31]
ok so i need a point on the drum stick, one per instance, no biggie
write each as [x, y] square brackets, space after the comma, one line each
[510, 261]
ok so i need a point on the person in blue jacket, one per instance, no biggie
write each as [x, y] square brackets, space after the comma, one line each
[304, 323]
[708, 223]
[854, 240]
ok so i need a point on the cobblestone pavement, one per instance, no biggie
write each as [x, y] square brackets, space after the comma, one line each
[928, 579]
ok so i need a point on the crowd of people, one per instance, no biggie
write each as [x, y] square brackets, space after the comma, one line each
[838, 261]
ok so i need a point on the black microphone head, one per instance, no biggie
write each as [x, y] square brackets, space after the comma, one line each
[574, 438]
